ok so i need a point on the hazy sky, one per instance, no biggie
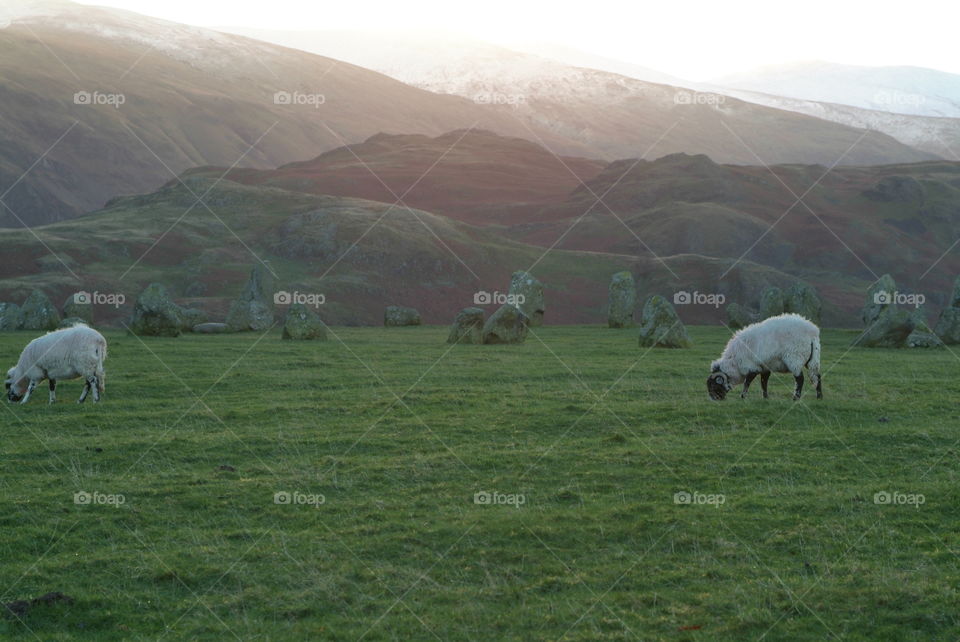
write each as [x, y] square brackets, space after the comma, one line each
[697, 40]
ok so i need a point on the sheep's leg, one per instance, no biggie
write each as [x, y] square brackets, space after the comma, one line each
[819, 388]
[95, 388]
[30, 387]
[799, 389]
[746, 384]
[53, 390]
[86, 389]
[764, 378]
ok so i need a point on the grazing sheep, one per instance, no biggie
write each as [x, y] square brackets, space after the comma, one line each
[784, 343]
[73, 352]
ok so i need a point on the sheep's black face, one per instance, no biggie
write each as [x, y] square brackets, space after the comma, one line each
[718, 385]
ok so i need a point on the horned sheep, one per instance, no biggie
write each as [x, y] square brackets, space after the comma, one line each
[77, 351]
[784, 343]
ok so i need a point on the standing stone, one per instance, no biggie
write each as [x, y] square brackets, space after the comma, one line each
[802, 299]
[879, 298]
[921, 336]
[303, 324]
[9, 317]
[948, 327]
[888, 329]
[740, 317]
[507, 325]
[79, 306]
[623, 300]
[771, 302]
[467, 326]
[397, 315]
[955, 295]
[155, 314]
[38, 313]
[526, 285]
[253, 309]
[661, 327]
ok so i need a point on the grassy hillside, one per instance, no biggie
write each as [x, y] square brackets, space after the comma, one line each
[190, 97]
[399, 549]
[362, 255]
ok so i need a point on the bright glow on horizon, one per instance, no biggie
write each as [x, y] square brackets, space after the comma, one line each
[696, 40]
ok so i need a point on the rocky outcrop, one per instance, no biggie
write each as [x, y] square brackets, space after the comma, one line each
[661, 327]
[507, 325]
[467, 327]
[155, 314]
[253, 309]
[38, 313]
[397, 315]
[525, 285]
[622, 300]
[302, 323]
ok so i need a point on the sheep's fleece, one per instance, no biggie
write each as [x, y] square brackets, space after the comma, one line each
[785, 343]
[77, 351]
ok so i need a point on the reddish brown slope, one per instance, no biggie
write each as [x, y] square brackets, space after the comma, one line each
[473, 176]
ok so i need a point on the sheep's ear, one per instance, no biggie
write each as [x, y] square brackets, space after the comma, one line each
[21, 386]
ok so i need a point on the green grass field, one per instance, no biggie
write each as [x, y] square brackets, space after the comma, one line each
[587, 435]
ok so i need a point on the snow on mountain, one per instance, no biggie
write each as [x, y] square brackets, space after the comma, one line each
[904, 90]
[940, 136]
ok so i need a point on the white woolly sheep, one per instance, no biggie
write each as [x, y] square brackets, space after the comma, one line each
[785, 343]
[77, 351]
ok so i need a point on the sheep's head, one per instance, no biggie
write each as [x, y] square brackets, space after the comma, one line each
[15, 389]
[718, 384]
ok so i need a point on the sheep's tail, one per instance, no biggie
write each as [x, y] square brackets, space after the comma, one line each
[813, 363]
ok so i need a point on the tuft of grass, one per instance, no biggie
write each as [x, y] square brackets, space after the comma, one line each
[577, 445]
